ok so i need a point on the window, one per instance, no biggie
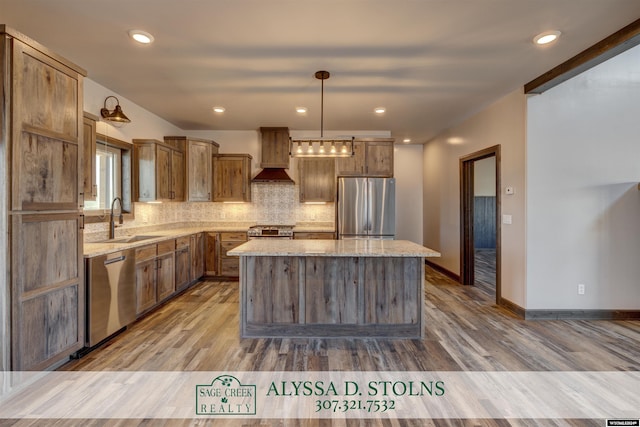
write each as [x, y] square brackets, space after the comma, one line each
[108, 177]
[113, 178]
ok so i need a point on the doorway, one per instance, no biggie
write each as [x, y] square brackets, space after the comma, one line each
[480, 220]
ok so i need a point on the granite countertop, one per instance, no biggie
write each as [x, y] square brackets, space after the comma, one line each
[333, 248]
[92, 249]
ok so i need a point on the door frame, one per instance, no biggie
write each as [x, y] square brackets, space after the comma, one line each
[467, 261]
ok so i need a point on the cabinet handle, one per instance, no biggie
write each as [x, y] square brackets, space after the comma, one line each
[82, 222]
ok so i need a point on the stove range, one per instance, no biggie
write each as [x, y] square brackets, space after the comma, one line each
[279, 231]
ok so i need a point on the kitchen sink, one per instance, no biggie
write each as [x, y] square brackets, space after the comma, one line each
[131, 239]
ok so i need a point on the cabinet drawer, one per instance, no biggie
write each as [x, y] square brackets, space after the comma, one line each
[236, 235]
[230, 266]
[227, 246]
[146, 252]
[314, 235]
[166, 246]
[181, 242]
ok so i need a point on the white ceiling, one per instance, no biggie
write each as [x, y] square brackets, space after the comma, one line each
[431, 63]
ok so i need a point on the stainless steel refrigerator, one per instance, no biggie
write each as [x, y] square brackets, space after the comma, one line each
[366, 208]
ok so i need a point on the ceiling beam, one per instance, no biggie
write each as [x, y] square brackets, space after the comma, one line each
[616, 43]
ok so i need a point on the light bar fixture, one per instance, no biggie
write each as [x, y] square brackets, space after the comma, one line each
[317, 147]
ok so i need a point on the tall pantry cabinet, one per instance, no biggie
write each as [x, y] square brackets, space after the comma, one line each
[41, 148]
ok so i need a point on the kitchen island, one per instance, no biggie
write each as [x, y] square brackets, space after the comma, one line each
[332, 288]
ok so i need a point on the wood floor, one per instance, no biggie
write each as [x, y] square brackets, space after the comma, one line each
[465, 332]
[485, 271]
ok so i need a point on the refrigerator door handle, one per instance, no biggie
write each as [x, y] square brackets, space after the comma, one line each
[369, 204]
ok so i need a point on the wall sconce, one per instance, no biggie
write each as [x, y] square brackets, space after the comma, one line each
[115, 115]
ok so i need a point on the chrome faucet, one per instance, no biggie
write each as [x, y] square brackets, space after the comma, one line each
[112, 224]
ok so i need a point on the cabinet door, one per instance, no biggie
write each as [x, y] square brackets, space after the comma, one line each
[177, 175]
[229, 183]
[47, 289]
[275, 147]
[212, 260]
[47, 150]
[163, 172]
[354, 165]
[144, 172]
[183, 267]
[146, 283]
[379, 158]
[166, 276]
[199, 182]
[317, 180]
[197, 256]
[90, 189]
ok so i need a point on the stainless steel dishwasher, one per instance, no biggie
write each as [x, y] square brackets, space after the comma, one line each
[111, 294]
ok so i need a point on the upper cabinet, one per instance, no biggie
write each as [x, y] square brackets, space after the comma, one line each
[199, 169]
[232, 178]
[158, 170]
[372, 157]
[90, 187]
[275, 147]
[317, 179]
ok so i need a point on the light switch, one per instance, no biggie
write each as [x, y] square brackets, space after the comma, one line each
[506, 219]
[509, 190]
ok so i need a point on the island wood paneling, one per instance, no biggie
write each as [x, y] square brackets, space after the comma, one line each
[392, 289]
[332, 290]
[272, 290]
[312, 296]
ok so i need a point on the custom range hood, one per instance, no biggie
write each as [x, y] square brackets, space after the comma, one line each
[275, 156]
[276, 175]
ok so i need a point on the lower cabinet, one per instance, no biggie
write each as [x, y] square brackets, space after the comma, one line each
[197, 249]
[217, 262]
[230, 265]
[183, 262]
[155, 274]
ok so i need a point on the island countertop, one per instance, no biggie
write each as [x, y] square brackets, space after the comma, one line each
[333, 248]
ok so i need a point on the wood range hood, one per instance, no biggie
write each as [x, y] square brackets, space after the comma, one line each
[275, 156]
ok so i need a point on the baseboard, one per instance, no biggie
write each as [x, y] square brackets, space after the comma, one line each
[443, 270]
[582, 314]
[512, 307]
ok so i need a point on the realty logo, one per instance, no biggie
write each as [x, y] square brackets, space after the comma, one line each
[225, 396]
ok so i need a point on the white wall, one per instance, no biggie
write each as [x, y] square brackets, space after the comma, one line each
[484, 177]
[502, 123]
[583, 204]
[408, 173]
[143, 123]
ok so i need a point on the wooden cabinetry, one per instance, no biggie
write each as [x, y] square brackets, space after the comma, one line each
[41, 168]
[230, 265]
[316, 235]
[183, 262]
[317, 180]
[155, 274]
[275, 147]
[158, 171]
[199, 176]
[211, 257]
[217, 262]
[372, 157]
[232, 178]
[90, 188]
[197, 247]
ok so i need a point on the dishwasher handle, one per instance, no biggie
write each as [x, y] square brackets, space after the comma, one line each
[114, 260]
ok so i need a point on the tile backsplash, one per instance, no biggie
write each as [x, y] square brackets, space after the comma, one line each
[270, 204]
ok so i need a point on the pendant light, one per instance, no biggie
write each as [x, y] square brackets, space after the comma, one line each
[316, 146]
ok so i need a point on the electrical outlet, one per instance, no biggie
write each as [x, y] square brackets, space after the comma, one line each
[581, 289]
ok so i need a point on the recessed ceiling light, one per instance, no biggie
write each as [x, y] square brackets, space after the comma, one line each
[219, 109]
[141, 36]
[546, 37]
[301, 110]
[406, 140]
[379, 110]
